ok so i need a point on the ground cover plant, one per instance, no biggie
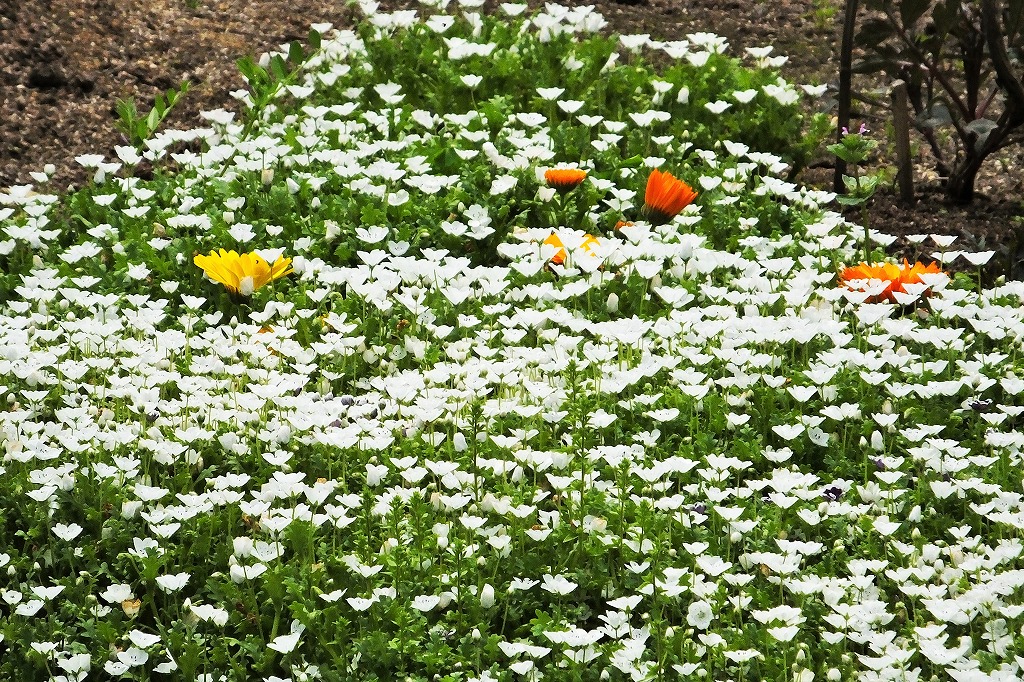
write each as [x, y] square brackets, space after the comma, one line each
[481, 349]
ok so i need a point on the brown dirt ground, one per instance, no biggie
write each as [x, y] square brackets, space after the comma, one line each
[65, 63]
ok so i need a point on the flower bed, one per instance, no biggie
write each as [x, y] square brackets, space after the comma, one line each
[480, 349]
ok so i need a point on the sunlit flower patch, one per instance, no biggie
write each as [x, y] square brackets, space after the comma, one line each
[632, 421]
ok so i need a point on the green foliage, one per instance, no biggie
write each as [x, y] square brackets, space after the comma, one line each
[138, 128]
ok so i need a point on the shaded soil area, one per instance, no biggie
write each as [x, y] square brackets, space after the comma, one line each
[65, 63]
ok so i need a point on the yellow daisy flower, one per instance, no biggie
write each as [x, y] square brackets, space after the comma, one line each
[242, 273]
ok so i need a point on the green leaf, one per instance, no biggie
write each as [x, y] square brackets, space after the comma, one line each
[944, 17]
[874, 32]
[278, 69]
[935, 116]
[884, 59]
[295, 53]
[126, 109]
[314, 39]
[253, 72]
[912, 10]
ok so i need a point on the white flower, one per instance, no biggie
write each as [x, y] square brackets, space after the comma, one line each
[558, 584]
[67, 532]
[143, 640]
[717, 107]
[744, 96]
[285, 644]
[783, 93]
[209, 612]
[783, 634]
[138, 271]
[360, 603]
[172, 583]
[503, 184]
[89, 160]
[425, 602]
[372, 234]
[115, 594]
[699, 615]
[240, 573]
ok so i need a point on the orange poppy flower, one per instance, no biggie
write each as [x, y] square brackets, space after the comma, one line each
[559, 257]
[894, 275]
[564, 179]
[665, 197]
[241, 273]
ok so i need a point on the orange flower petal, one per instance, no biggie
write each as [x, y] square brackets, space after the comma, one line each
[564, 179]
[894, 275]
[666, 196]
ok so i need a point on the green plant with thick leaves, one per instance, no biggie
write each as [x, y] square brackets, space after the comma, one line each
[961, 63]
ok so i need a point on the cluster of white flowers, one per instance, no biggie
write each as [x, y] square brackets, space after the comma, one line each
[683, 429]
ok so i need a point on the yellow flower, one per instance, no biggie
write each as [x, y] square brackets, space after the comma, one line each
[564, 179]
[242, 273]
[589, 241]
[895, 276]
[665, 197]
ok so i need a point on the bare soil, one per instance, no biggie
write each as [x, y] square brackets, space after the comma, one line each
[65, 63]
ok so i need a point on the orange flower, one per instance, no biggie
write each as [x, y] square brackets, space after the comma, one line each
[559, 257]
[242, 273]
[894, 275]
[564, 179]
[665, 197]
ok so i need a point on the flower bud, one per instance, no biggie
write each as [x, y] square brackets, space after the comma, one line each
[487, 596]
